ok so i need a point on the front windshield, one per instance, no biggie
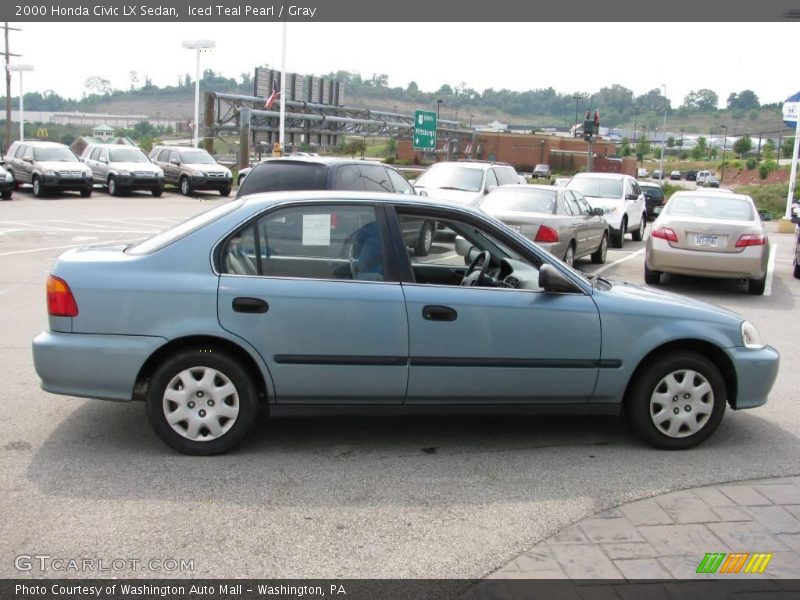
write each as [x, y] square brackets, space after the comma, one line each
[54, 154]
[597, 187]
[522, 200]
[133, 155]
[450, 177]
[197, 157]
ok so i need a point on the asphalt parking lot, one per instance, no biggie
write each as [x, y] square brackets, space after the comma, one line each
[432, 497]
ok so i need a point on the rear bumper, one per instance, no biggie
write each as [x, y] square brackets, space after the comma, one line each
[750, 262]
[90, 365]
[756, 370]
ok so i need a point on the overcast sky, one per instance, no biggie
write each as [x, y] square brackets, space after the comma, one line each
[725, 57]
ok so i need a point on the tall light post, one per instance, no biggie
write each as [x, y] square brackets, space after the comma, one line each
[724, 146]
[577, 98]
[438, 105]
[198, 46]
[21, 69]
[663, 134]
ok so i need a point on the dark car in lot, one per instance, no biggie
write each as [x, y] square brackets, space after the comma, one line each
[691, 175]
[7, 183]
[321, 173]
[653, 198]
[675, 175]
[541, 171]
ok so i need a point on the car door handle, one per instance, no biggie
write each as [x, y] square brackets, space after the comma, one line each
[439, 313]
[250, 305]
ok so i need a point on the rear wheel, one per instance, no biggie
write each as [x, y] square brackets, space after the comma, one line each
[185, 186]
[599, 255]
[201, 401]
[638, 235]
[756, 286]
[425, 240]
[651, 277]
[569, 255]
[677, 400]
[38, 189]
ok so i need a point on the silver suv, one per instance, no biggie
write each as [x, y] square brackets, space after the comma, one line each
[123, 169]
[48, 166]
[464, 181]
[192, 169]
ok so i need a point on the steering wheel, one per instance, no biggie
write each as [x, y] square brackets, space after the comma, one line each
[474, 273]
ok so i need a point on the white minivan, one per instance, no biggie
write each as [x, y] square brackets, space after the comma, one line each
[701, 177]
[621, 199]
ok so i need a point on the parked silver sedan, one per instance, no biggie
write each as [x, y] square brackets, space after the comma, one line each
[709, 235]
[557, 219]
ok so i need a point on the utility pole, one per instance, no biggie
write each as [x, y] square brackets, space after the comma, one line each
[8, 56]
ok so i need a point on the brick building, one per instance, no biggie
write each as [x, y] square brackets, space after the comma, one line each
[566, 154]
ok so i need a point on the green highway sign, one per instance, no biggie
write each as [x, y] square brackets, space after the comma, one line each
[424, 130]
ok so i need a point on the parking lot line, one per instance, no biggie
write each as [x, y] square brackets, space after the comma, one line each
[773, 250]
[618, 261]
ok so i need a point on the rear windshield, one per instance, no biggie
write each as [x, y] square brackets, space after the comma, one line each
[284, 177]
[450, 177]
[597, 187]
[165, 238]
[530, 200]
[711, 207]
[653, 191]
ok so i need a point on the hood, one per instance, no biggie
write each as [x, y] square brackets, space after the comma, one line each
[206, 167]
[451, 195]
[136, 166]
[666, 304]
[60, 165]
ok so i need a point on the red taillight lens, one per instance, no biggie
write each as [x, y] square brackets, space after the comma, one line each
[751, 239]
[546, 234]
[60, 301]
[665, 233]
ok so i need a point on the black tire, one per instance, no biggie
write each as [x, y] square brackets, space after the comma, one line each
[6, 195]
[425, 239]
[86, 192]
[638, 235]
[756, 286]
[38, 188]
[113, 188]
[569, 255]
[157, 192]
[618, 239]
[652, 377]
[651, 277]
[225, 192]
[185, 186]
[244, 397]
[796, 271]
[599, 255]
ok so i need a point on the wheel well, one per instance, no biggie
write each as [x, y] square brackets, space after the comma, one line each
[150, 365]
[703, 348]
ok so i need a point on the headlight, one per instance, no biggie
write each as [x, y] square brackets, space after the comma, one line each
[611, 210]
[159, 172]
[750, 336]
[9, 177]
[200, 173]
[124, 172]
[228, 173]
[50, 172]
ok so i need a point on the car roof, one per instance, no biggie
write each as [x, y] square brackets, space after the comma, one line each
[179, 148]
[602, 175]
[322, 160]
[476, 164]
[707, 193]
[529, 186]
[115, 146]
[44, 143]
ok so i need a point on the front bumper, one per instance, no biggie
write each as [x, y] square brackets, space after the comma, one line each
[91, 365]
[137, 182]
[756, 370]
[67, 183]
[750, 262]
[200, 182]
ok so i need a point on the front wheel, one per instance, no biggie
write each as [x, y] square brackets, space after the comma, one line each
[6, 195]
[185, 186]
[638, 235]
[157, 192]
[618, 238]
[225, 192]
[677, 400]
[201, 401]
[599, 255]
[796, 271]
[113, 189]
[38, 189]
[86, 192]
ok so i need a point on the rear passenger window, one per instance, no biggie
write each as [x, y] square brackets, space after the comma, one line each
[95, 155]
[20, 151]
[506, 175]
[280, 176]
[491, 178]
[571, 205]
[348, 178]
[376, 179]
[400, 183]
[163, 156]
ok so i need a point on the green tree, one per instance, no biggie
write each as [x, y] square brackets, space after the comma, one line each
[625, 148]
[642, 147]
[787, 147]
[703, 100]
[743, 145]
[670, 142]
[768, 149]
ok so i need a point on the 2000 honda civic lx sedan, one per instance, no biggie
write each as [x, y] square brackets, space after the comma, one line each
[309, 301]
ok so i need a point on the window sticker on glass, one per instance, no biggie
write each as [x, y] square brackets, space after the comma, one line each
[317, 230]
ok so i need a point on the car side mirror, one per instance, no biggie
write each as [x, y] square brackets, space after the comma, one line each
[490, 188]
[553, 280]
[175, 162]
[632, 197]
[27, 159]
[463, 247]
[598, 212]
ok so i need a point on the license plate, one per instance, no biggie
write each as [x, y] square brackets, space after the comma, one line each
[706, 240]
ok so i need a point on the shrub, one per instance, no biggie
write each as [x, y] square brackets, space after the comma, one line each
[751, 164]
[763, 171]
[389, 160]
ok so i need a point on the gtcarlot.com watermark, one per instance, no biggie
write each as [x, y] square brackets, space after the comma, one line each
[59, 564]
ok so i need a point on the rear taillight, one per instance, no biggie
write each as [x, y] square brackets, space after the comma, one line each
[60, 301]
[751, 239]
[664, 233]
[546, 234]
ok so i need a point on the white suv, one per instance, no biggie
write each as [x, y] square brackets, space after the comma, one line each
[464, 181]
[621, 199]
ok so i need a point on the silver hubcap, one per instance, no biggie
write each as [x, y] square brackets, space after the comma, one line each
[112, 186]
[428, 239]
[569, 258]
[201, 404]
[185, 186]
[641, 227]
[681, 403]
[604, 248]
[36, 187]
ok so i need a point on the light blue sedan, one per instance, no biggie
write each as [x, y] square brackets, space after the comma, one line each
[309, 301]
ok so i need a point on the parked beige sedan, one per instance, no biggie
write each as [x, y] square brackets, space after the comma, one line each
[709, 235]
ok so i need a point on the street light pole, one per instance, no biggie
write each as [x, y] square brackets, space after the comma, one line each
[663, 135]
[197, 46]
[724, 145]
[438, 104]
[576, 97]
[21, 69]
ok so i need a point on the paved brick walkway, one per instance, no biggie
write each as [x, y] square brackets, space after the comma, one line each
[666, 537]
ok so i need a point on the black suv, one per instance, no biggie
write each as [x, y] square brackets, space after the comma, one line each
[321, 173]
[653, 198]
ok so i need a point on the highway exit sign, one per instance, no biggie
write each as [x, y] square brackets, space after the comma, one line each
[424, 130]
